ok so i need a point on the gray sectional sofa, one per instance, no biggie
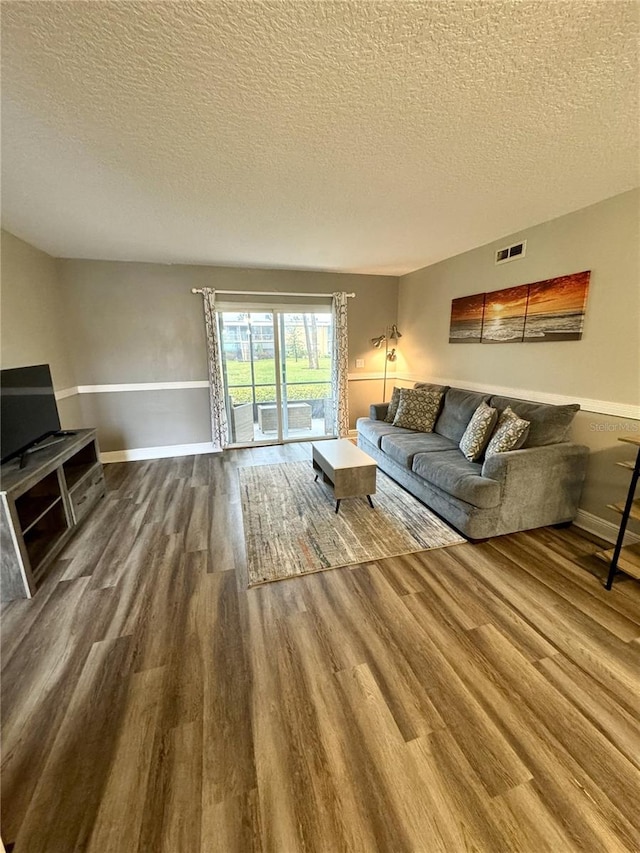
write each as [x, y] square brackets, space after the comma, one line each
[538, 485]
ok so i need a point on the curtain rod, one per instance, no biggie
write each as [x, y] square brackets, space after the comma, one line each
[264, 293]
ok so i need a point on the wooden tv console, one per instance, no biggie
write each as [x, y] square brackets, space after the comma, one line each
[41, 506]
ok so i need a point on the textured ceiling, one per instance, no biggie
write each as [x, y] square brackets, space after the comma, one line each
[355, 136]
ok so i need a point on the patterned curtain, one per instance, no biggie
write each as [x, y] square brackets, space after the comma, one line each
[340, 365]
[219, 428]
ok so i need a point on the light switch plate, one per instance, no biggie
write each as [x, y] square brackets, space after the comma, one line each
[359, 362]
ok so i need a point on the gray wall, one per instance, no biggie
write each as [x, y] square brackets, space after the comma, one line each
[33, 326]
[134, 322]
[134, 419]
[604, 365]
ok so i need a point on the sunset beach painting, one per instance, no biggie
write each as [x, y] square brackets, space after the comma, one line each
[466, 319]
[556, 308]
[549, 310]
[504, 314]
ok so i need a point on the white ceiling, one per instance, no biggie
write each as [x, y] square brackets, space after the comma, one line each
[352, 135]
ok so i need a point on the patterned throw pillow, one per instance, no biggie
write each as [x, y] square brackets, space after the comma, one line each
[510, 434]
[417, 409]
[393, 406]
[478, 432]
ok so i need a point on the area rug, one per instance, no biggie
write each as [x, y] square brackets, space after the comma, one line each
[291, 527]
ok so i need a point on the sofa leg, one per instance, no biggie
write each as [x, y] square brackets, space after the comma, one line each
[562, 525]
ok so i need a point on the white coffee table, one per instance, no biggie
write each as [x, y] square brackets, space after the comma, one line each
[349, 471]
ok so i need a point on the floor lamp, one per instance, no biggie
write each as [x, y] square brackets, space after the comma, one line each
[391, 334]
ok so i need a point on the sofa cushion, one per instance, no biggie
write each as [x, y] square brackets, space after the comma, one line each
[402, 448]
[455, 475]
[510, 434]
[478, 432]
[373, 431]
[549, 424]
[418, 409]
[457, 411]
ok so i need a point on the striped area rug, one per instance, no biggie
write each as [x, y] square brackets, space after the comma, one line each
[291, 527]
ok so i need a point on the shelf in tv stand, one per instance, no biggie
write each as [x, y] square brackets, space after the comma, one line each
[38, 508]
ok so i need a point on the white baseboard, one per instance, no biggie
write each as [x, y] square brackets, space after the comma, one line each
[606, 530]
[163, 452]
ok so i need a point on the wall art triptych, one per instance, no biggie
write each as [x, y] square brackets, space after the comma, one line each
[551, 310]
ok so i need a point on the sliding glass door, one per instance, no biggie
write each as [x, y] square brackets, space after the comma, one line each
[277, 375]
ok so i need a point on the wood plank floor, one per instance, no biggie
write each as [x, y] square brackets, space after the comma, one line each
[475, 698]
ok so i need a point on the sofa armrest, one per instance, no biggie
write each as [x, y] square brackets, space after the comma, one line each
[378, 411]
[535, 476]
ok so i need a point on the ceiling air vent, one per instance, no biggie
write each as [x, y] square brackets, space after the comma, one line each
[511, 253]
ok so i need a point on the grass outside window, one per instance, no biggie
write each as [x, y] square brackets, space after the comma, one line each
[303, 382]
[239, 372]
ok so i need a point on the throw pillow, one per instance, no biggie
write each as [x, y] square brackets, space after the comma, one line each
[393, 405]
[417, 409]
[478, 432]
[510, 433]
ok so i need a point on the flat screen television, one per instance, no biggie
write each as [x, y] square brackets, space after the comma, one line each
[28, 409]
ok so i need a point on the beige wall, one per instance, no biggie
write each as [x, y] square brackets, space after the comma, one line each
[107, 323]
[33, 326]
[32, 311]
[135, 322]
[603, 366]
[134, 419]
[606, 482]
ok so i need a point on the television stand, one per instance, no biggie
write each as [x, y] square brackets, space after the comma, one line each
[39, 446]
[42, 506]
